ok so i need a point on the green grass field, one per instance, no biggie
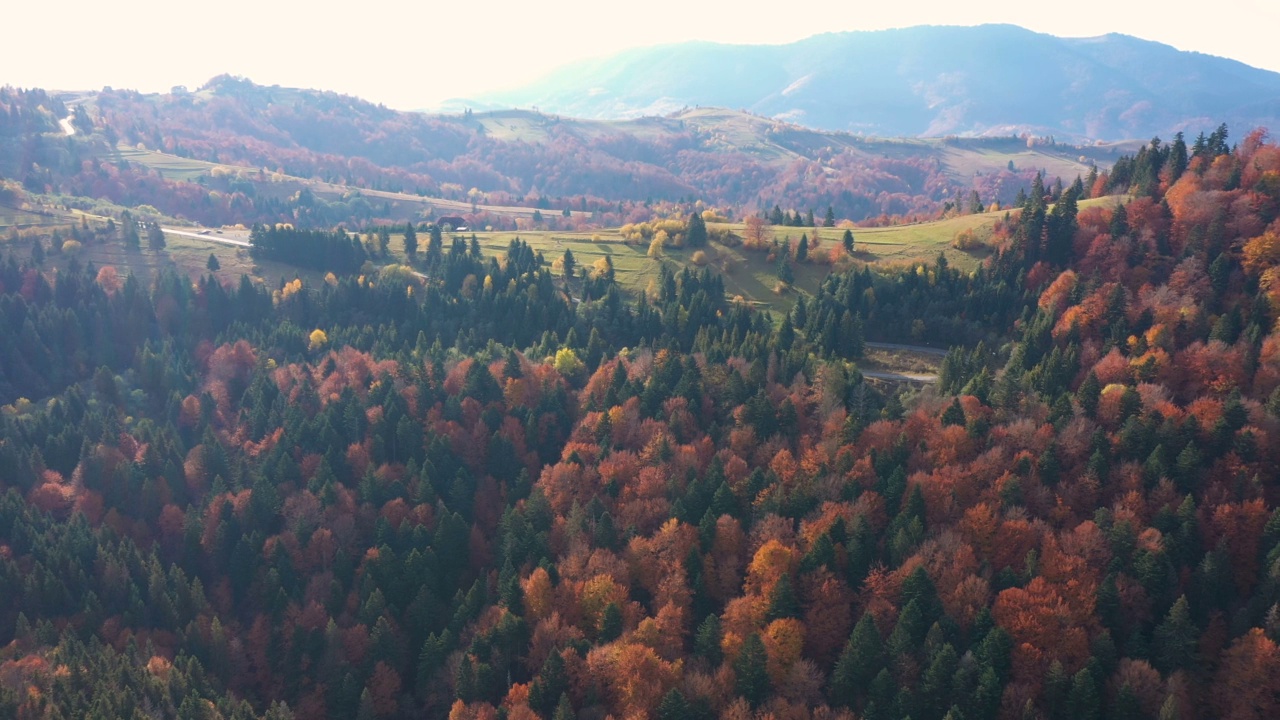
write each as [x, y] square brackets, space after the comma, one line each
[749, 273]
[172, 167]
[14, 218]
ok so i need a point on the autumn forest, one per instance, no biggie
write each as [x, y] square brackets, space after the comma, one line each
[481, 486]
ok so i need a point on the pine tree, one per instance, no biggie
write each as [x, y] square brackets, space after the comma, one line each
[212, 264]
[549, 685]
[863, 656]
[749, 668]
[1176, 639]
[802, 250]
[410, 242]
[564, 709]
[155, 237]
[1089, 393]
[696, 231]
[707, 641]
[954, 414]
[782, 600]
[673, 706]
[847, 241]
[569, 264]
[1084, 702]
[785, 274]
[830, 219]
[610, 623]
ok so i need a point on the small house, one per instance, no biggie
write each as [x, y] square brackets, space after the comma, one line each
[458, 224]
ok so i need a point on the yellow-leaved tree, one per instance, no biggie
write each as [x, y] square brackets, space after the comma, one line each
[656, 245]
[567, 363]
[318, 339]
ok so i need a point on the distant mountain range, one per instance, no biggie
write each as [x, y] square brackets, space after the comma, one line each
[989, 80]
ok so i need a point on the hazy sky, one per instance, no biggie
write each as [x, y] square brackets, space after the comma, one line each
[413, 55]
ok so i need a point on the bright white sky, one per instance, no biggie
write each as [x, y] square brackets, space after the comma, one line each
[416, 54]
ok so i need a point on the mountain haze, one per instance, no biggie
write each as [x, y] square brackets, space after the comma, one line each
[926, 81]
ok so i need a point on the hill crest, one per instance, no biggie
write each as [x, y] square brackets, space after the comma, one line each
[928, 81]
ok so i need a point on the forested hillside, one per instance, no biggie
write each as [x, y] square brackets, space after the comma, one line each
[271, 154]
[467, 493]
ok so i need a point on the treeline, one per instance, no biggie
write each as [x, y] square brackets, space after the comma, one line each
[327, 251]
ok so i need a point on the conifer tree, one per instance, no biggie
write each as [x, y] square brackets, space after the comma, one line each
[410, 242]
[673, 706]
[1176, 638]
[782, 600]
[749, 668]
[863, 656]
[696, 231]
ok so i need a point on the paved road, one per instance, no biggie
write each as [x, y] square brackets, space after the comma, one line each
[901, 376]
[909, 348]
[210, 237]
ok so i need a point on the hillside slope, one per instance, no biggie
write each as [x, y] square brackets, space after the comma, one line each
[613, 170]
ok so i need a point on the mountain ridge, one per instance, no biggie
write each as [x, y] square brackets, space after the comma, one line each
[924, 81]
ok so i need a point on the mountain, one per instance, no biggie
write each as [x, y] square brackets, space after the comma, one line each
[927, 81]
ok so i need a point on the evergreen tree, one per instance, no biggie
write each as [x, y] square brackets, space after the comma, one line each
[954, 414]
[785, 274]
[863, 656]
[155, 237]
[707, 640]
[782, 600]
[410, 242]
[1176, 639]
[564, 709]
[1084, 702]
[749, 668]
[610, 623]
[696, 231]
[673, 706]
[568, 264]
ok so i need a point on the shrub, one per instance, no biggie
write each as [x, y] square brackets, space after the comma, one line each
[966, 240]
